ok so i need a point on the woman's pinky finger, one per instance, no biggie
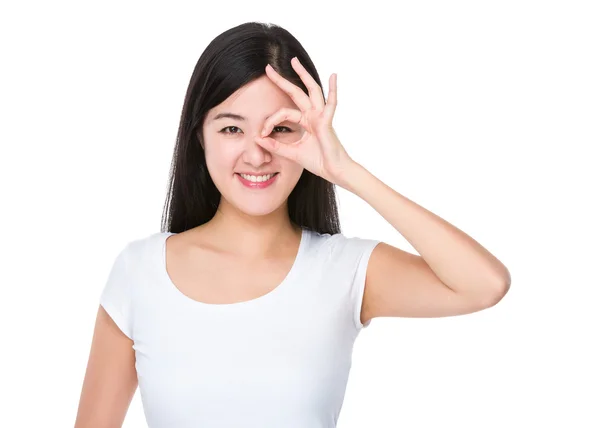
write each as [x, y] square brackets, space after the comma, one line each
[332, 96]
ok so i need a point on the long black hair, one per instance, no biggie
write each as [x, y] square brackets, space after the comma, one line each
[231, 60]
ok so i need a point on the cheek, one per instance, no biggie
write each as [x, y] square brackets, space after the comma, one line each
[293, 171]
[220, 158]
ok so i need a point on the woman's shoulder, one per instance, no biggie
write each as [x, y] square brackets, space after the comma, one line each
[139, 248]
[340, 244]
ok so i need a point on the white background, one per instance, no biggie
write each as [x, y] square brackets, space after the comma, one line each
[486, 113]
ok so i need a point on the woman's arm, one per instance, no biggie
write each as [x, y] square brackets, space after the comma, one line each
[110, 379]
[452, 275]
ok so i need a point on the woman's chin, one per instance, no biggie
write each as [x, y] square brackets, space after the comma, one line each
[255, 209]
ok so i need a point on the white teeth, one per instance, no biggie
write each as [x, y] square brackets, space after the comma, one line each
[257, 179]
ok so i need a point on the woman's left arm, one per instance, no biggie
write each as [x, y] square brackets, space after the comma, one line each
[453, 275]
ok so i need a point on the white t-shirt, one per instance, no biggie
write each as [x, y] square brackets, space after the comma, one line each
[279, 360]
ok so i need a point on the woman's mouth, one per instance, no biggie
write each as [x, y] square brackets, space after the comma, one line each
[257, 181]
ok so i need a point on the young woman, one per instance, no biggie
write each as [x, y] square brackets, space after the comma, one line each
[244, 310]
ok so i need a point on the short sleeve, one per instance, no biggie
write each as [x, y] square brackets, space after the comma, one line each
[361, 249]
[116, 295]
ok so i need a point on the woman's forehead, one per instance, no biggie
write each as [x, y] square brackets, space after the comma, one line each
[255, 100]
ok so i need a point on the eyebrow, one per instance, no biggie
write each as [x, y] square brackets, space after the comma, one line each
[231, 116]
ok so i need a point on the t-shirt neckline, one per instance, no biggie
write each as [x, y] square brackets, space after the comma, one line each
[286, 282]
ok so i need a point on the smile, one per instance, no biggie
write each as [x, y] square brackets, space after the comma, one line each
[257, 182]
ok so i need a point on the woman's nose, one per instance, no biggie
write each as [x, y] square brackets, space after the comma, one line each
[254, 153]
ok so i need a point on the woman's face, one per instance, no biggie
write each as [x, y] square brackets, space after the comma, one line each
[231, 150]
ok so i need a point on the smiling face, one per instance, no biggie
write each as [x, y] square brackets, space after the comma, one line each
[230, 149]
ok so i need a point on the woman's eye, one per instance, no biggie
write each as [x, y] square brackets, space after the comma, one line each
[224, 130]
[278, 129]
[282, 127]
